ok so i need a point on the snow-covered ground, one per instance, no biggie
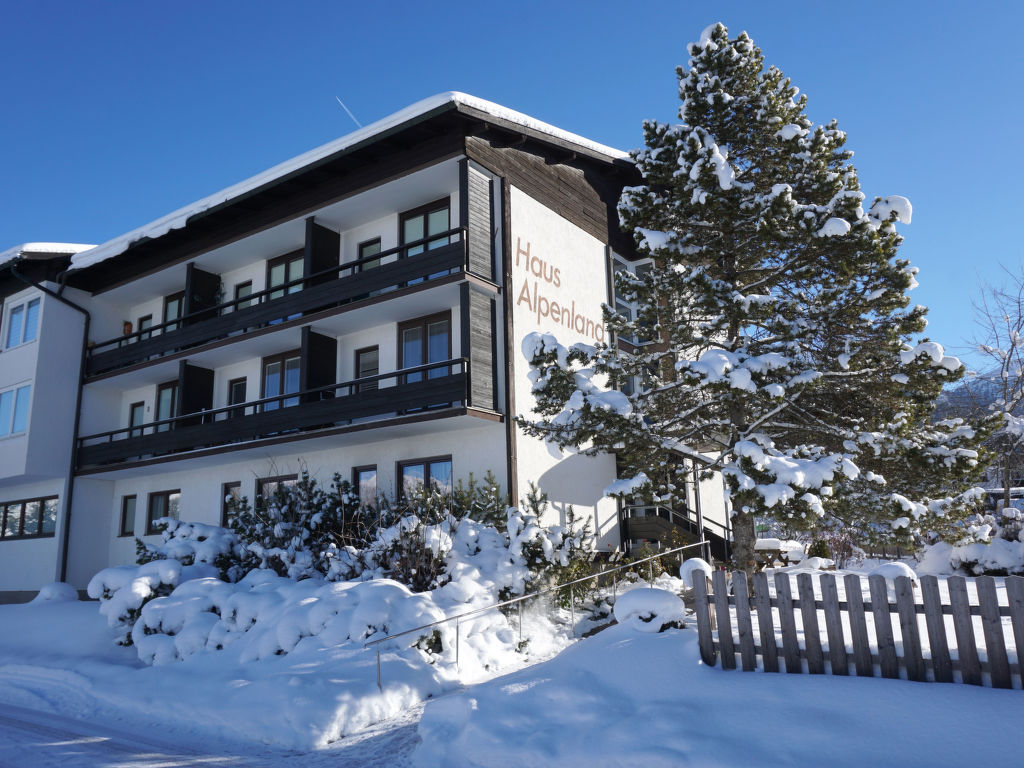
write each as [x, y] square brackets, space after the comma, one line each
[622, 697]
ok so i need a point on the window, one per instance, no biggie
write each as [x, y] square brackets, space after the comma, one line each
[367, 364]
[127, 516]
[22, 323]
[28, 518]
[266, 487]
[236, 396]
[427, 340]
[174, 308]
[435, 474]
[136, 418]
[366, 250]
[162, 504]
[145, 323]
[242, 293]
[364, 479]
[166, 404]
[14, 410]
[281, 377]
[230, 495]
[282, 270]
[422, 223]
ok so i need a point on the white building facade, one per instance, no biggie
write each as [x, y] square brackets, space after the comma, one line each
[358, 310]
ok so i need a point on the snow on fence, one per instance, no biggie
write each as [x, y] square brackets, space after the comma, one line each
[937, 639]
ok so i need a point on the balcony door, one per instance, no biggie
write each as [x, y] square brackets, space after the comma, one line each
[281, 377]
[174, 308]
[428, 221]
[166, 404]
[283, 270]
[423, 341]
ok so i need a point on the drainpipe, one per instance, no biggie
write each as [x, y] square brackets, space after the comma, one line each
[70, 486]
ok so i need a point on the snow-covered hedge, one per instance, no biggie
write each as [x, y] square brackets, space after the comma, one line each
[174, 607]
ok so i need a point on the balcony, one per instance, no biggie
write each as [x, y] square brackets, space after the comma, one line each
[409, 394]
[332, 287]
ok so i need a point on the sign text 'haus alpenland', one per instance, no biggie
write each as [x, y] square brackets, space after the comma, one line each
[541, 278]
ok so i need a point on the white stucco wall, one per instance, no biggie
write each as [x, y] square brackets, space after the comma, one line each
[558, 286]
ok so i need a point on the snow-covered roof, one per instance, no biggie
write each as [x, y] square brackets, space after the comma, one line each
[180, 217]
[56, 249]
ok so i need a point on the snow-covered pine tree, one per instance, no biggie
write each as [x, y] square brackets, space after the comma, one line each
[775, 315]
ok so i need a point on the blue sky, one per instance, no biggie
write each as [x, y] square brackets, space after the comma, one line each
[115, 113]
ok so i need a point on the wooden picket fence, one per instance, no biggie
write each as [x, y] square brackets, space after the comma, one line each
[935, 663]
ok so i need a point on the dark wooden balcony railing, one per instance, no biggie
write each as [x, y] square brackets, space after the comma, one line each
[406, 392]
[332, 287]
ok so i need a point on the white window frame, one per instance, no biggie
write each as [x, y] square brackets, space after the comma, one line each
[9, 427]
[22, 304]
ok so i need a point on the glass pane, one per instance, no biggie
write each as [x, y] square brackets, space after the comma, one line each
[243, 292]
[14, 325]
[369, 249]
[172, 312]
[295, 271]
[437, 347]
[6, 406]
[12, 523]
[128, 516]
[441, 476]
[367, 482]
[277, 277]
[21, 409]
[31, 320]
[291, 379]
[412, 230]
[412, 479]
[236, 394]
[173, 506]
[165, 406]
[367, 364]
[136, 417]
[144, 324]
[49, 516]
[32, 509]
[412, 351]
[157, 508]
[272, 384]
[437, 221]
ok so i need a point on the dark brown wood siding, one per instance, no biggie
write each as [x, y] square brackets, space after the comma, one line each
[478, 345]
[476, 216]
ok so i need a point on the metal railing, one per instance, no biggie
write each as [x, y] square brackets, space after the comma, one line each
[686, 519]
[518, 601]
[283, 289]
[285, 400]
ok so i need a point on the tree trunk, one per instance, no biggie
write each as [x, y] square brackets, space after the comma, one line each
[1006, 480]
[743, 538]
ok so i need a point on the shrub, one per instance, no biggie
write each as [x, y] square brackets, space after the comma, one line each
[819, 548]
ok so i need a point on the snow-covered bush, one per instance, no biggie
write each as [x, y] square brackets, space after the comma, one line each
[124, 590]
[194, 543]
[650, 610]
[57, 592]
[300, 529]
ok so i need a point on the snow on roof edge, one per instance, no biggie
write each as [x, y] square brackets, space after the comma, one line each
[55, 248]
[179, 218]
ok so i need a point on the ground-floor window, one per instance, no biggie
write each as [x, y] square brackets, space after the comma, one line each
[266, 487]
[364, 480]
[128, 515]
[162, 504]
[230, 495]
[434, 473]
[28, 518]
